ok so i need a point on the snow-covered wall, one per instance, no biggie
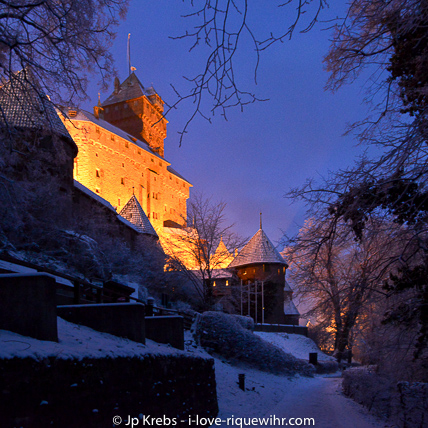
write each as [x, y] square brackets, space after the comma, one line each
[90, 392]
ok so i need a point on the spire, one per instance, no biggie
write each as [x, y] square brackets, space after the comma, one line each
[260, 220]
[129, 53]
[259, 249]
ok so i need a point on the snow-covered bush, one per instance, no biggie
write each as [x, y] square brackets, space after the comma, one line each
[230, 337]
[405, 404]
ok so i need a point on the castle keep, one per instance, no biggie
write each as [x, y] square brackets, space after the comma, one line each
[121, 154]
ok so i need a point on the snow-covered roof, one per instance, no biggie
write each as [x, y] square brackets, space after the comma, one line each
[173, 171]
[259, 249]
[134, 213]
[287, 286]
[129, 89]
[86, 116]
[93, 195]
[23, 105]
[290, 308]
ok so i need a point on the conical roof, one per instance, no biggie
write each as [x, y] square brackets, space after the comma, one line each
[222, 256]
[25, 106]
[258, 250]
[129, 89]
[134, 213]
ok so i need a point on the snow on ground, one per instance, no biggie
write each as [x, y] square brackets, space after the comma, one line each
[265, 395]
[295, 344]
[268, 395]
[77, 342]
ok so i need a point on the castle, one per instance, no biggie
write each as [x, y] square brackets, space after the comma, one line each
[121, 155]
[121, 159]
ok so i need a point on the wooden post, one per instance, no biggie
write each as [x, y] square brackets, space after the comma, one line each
[249, 299]
[255, 289]
[263, 302]
[76, 289]
[242, 303]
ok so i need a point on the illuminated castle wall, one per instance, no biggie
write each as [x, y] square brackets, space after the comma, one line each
[121, 153]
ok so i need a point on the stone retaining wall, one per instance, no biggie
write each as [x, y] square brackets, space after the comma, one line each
[88, 393]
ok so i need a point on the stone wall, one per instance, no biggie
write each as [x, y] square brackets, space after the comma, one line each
[119, 319]
[88, 393]
[116, 168]
[28, 305]
[166, 329]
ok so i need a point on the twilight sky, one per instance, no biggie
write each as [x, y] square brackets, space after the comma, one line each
[251, 160]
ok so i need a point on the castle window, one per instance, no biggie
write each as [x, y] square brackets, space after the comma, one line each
[97, 129]
[126, 144]
[153, 160]
[227, 283]
[160, 163]
[214, 284]
[97, 190]
[122, 181]
[112, 137]
[130, 215]
[170, 177]
[155, 178]
[139, 151]
[96, 154]
[123, 165]
[97, 173]
[279, 271]
[142, 174]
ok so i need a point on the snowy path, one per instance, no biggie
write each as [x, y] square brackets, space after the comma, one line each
[319, 398]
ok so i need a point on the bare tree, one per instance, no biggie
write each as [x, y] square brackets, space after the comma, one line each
[61, 41]
[205, 245]
[339, 277]
[220, 29]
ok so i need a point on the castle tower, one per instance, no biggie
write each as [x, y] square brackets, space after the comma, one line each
[137, 111]
[260, 261]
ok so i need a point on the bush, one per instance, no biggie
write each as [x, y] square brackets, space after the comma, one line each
[231, 337]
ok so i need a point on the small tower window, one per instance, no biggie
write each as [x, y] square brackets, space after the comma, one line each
[122, 181]
[123, 165]
[97, 173]
[126, 144]
[112, 137]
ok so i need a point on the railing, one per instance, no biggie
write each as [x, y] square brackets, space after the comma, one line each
[73, 290]
[77, 291]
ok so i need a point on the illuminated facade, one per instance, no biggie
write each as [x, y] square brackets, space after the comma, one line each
[121, 154]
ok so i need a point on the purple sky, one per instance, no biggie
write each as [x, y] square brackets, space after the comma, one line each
[251, 160]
